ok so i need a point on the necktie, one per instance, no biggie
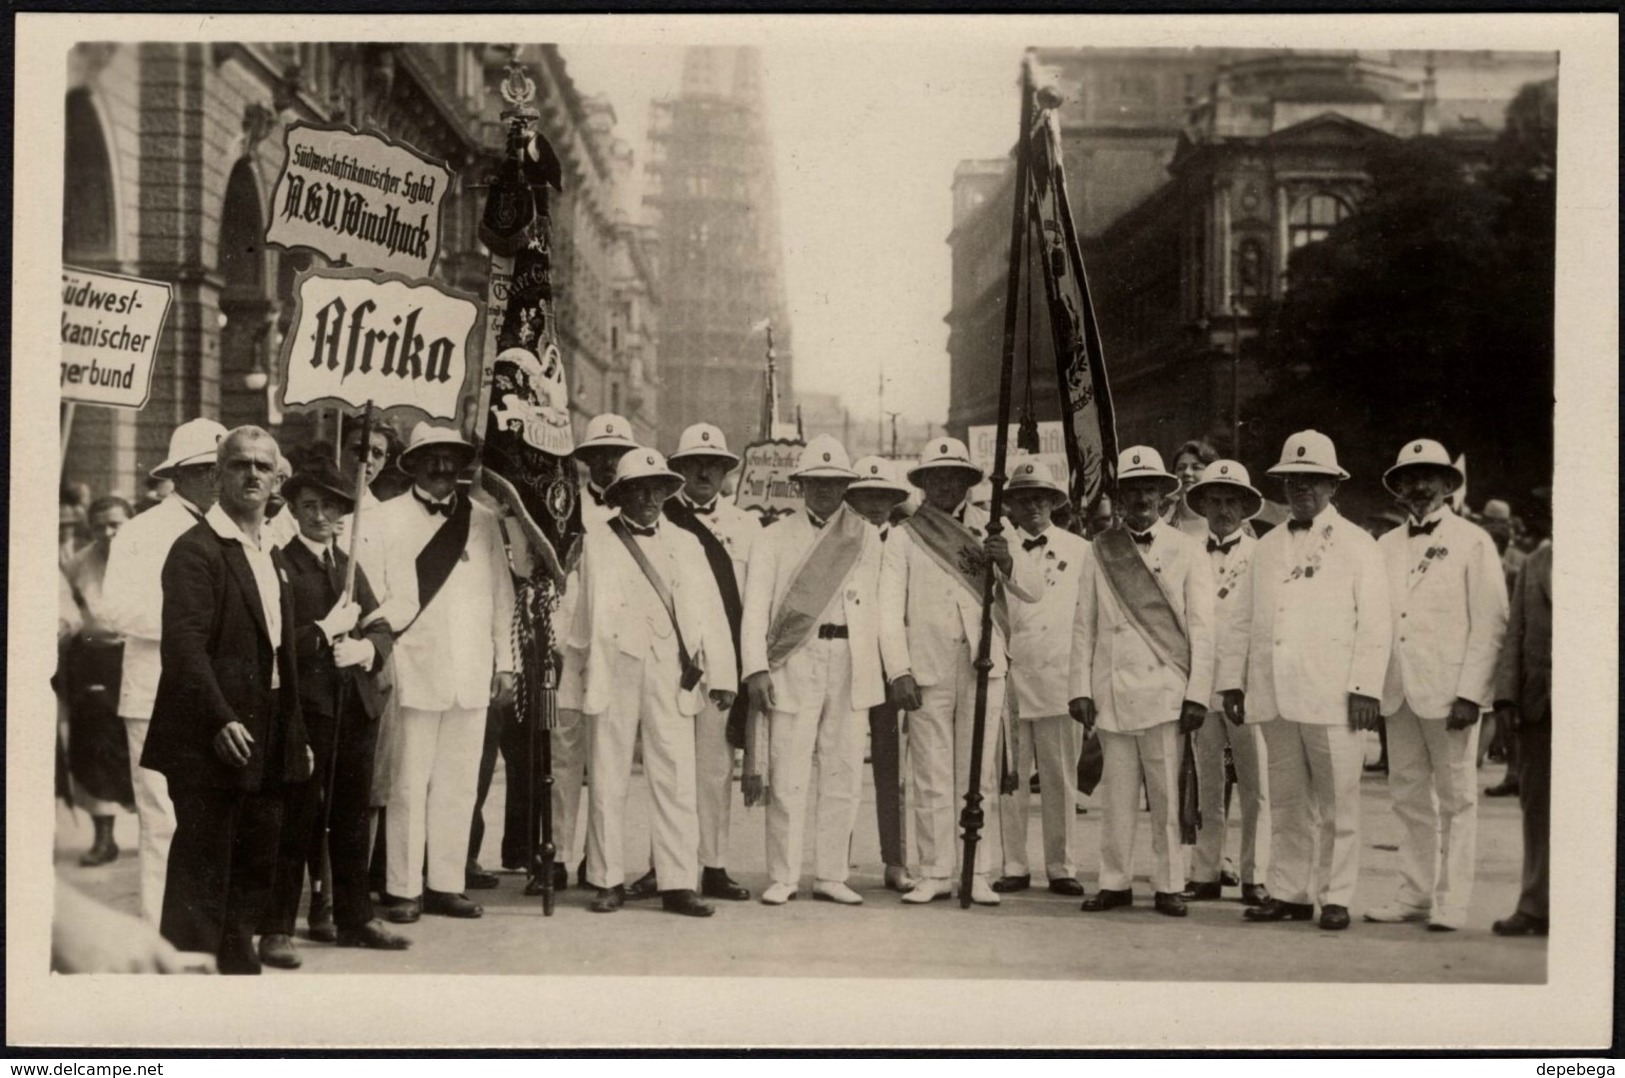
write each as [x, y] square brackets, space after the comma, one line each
[817, 522]
[433, 507]
[704, 510]
[1034, 544]
[637, 529]
[1141, 538]
[327, 560]
[1214, 546]
[1296, 525]
[1424, 529]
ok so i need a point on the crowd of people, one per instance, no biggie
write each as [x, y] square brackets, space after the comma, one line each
[274, 713]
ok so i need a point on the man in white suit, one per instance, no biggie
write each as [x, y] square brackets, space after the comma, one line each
[650, 637]
[133, 606]
[451, 592]
[1448, 597]
[931, 625]
[1225, 497]
[1143, 642]
[1042, 734]
[811, 642]
[1305, 657]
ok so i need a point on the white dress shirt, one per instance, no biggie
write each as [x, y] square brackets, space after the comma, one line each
[258, 554]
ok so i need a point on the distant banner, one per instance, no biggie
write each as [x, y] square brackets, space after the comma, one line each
[362, 199]
[764, 477]
[111, 325]
[1051, 447]
[360, 336]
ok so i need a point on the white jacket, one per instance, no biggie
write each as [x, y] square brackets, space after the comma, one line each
[1133, 689]
[1316, 628]
[736, 529]
[616, 610]
[1232, 586]
[778, 552]
[1041, 633]
[1449, 603]
[133, 596]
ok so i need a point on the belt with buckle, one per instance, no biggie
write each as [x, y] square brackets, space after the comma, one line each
[827, 631]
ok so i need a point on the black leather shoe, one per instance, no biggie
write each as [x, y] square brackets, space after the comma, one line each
[581, 873]
[1107, 900]
[236, 957]
[277, 951]
[608, 899]
[1169, 904]
[1066, 885]
[373, 934]
[100, 853]
[1229, 879]
[1274, 909]
[323, 931]
[1521, 924]
[477, 879]
[646, 886]
[715, 883]
[402, 911]
[1507, 787]
[687, 903]
[447, 904]
[1334, 918]
[1009, 885]
[1203, 892]
[1254, 894]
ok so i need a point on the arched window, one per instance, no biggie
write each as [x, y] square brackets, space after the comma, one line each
[1313, 217]
[244, 305]
[88, 211]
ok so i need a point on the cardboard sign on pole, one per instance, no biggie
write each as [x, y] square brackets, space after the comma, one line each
[111, 325]
[360, 336]
[360, 199]
[764, 478]
[1051, 450]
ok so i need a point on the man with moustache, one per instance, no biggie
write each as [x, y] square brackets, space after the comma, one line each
[1225, 497]
[812, 657]
[341, 706]
[651, 640]
[1041, 731]
[451, 598]
[1143, 652]
[875, 495]
[1304, 656]
[1449, 605]
[226, 730]
[133, 600]
[931, 622]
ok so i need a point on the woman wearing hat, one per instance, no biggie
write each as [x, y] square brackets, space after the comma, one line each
[1305, 657]
[1449, 604]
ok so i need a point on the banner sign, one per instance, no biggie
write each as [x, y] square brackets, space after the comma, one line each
[1051, 450]
[111, 325]
[361, 199]
[360, 336]
[764, 477]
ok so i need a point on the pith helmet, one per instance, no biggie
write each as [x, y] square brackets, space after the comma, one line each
[1143, 462]
[428, 436]
[644, 465]
[945, 453]
[1308, 452]
[1030, 474]
[876, 473]
[607, 431]
[1229, 475]
[824, 458]
[196, 441]
[1424, 453]
[703, 440]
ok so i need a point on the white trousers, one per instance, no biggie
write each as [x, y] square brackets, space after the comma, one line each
[1433, 777]
[156, 816]
[436, 777]
[939, 747]
[644, 698]
[827, 730]
[571, 740]
[1151, 755]
[1252, 790]
[713, 783]
[1314, 782]
[1051, 745]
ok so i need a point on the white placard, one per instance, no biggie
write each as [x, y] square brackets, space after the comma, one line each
[1051, 450]
[111, 325]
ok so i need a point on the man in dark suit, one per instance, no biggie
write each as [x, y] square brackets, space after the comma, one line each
[226, 728]
[340, 705]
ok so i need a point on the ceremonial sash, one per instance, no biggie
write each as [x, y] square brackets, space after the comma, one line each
[722, 568]
[439, 556]
[691, 673]
[814, 583]
[1142, 598]
[959, 552]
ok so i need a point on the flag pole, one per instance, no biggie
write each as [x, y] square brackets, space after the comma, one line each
[971, 818]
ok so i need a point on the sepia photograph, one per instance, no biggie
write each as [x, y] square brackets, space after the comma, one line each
[780, 531]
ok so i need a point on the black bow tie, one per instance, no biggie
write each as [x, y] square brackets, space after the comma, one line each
[1214, 546]
[637, 529]
[1424, 529]
[1142, 538]
[704, 510]
[433, 507]
[1034, 544]
[817, 522]
[1296, 525]
[596, 494]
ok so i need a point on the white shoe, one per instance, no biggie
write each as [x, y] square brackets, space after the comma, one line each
[1396, 913]
[836, 891]
[927, 890]
[778, 894]
[1439, 921]
[898, 879]
[981, 893]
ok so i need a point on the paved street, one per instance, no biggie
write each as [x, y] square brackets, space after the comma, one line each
[1031, 936]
